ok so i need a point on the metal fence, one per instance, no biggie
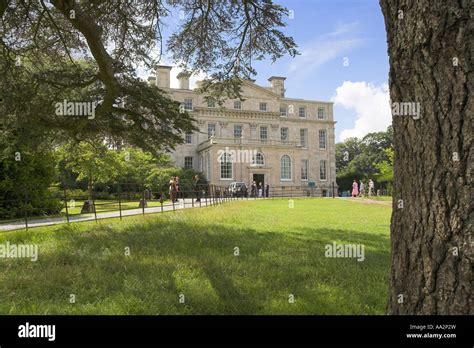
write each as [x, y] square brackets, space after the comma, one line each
[63, 204]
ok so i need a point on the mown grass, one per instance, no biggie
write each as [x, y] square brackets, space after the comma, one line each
[191, 252]
[380, 198]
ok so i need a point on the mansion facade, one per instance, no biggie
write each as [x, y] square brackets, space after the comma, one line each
[265, 137]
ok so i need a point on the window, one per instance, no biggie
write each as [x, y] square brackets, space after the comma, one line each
[211, 129]
[237, 104]
[188, 162]
[285, 167]
[304, 138]
[304, 169]
[321, 113]
[211, 103]
[283, 111]
[188, 104]
[189, 138]
[263, 133]
[258, 160]
[302, 111]
[322, 170]
[284, 134]
[263, 106]
[237, 131]
[226, 166]
[322, 138]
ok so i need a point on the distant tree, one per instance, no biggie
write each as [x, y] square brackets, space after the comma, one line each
[358, 158]
[92, 161]
[137, 165]
[385, 168]
[91, 50]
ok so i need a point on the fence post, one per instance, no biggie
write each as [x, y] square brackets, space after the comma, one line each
[26, 209]
[93, 204]
[161, 200]
[333, 195]
[65, 203]
[120, 202]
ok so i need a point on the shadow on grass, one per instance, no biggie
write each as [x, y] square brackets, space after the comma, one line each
[172, 258]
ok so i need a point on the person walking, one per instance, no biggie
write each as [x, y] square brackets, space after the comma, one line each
[197, 188]
[253, 189]
[177, 187]
[267, 190]
[260, 190]
[361, 189]
[371, 187]
[355, 190]
[172, 189]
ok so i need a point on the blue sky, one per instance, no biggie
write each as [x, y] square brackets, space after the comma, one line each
[329, 33]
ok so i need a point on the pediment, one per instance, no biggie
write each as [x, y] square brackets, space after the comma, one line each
[252, 90]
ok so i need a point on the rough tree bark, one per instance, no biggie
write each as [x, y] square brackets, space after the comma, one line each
[430, 45]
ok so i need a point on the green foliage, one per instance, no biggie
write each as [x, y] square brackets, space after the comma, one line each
[136, 165]
[25, 182]
[94, 162]
[385, 168]
[159, 178]
[359, 158]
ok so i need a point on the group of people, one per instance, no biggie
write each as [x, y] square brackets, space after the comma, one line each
[359, 190]
[259, 190]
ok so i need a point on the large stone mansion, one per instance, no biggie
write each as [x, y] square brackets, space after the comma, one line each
[265, 138]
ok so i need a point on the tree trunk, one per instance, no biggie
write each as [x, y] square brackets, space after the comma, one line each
[430, 45]
[89, 188]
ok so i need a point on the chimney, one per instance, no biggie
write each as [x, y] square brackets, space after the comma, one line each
[152, 80]
[278, 85]
[163, 76]
[183, 78]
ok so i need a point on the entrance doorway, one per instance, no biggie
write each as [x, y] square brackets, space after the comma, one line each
[259, 178]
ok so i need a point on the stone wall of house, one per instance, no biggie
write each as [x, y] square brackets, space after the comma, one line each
[254, 119]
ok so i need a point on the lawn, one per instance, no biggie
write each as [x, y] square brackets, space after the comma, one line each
[192, 253]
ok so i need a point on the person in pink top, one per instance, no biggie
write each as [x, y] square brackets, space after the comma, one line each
[355, 190]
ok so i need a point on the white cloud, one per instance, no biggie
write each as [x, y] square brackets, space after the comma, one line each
[326, 48]
[371, 106]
